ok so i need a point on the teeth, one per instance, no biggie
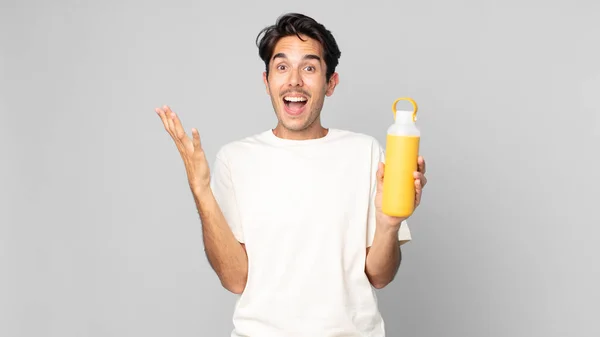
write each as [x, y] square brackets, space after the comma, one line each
[295, 99]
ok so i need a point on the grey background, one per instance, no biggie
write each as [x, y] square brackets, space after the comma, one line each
[99, 235]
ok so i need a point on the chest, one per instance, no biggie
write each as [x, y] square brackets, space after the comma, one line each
[293, 193]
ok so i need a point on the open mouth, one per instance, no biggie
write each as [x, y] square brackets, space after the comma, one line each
[294, 104]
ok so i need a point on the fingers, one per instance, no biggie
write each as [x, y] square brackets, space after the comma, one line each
[169, 118]
[161, 113]
[421, 164]
[166, 115]
[380, 172]
[175, 123]
[419, 191]
[421, 177]
[196, 140]
[420, 181]
[171, 122]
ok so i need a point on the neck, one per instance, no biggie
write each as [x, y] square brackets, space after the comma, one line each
[316, 130]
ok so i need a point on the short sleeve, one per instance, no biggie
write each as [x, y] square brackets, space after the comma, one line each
[378, 155]
[222, 187]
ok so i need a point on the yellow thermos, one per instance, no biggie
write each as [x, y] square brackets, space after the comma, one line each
[401, 155]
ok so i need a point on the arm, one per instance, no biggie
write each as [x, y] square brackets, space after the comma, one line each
[386, 233]
[225, 254]
[383, 257]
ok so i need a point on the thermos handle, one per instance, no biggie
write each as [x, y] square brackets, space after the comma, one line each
[414, 104]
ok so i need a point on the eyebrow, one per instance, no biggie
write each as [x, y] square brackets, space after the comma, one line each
[306, 57]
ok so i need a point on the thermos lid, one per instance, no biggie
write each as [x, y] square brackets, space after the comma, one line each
[405, 116]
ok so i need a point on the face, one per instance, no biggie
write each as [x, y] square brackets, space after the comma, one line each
[297, 84]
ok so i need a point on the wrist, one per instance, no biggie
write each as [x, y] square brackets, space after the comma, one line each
[388, 223]
[386, 230]
[201, 192]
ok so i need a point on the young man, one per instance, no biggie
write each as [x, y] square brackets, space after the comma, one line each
[291, 216]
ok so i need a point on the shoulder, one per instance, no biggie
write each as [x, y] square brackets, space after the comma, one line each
[236, 147]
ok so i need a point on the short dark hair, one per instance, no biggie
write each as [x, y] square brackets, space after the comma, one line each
[296, 24]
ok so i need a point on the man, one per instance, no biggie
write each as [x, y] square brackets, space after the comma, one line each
[291, 217]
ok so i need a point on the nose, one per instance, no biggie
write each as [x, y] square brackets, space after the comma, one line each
[295, 78]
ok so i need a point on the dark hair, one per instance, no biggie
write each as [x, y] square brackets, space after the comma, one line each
[296, 24]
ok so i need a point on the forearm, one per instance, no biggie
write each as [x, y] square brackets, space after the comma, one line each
[383, 257]
[225, 254]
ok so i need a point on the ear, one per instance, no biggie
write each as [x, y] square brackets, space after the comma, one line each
[333, 82]
[266, 82]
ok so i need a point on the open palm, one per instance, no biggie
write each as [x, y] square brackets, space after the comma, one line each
[190, 149]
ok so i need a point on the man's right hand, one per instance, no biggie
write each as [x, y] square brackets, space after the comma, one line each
[194, 159]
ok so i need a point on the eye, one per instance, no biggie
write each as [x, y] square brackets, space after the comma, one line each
[281, 67]
[310, 68]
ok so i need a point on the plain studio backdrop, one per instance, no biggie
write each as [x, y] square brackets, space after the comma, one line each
[99, 233]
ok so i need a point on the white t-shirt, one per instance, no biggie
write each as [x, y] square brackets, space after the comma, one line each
[305, 211]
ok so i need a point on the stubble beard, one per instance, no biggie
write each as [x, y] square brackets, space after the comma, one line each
[306, 121]
[309, 117]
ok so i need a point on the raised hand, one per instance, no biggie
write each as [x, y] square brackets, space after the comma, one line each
[190, 149]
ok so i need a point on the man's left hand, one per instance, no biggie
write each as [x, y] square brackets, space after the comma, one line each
[420, 182]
